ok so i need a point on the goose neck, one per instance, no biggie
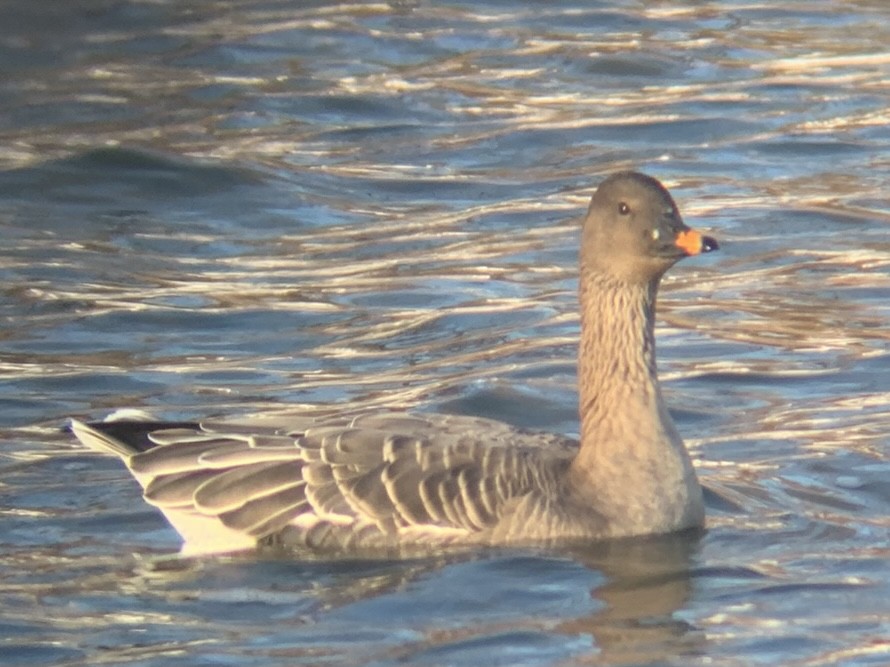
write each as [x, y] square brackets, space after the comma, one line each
[618, 383]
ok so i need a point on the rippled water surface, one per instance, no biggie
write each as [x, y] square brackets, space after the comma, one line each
[227, 208]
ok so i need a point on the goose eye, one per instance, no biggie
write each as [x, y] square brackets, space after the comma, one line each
[623, 208]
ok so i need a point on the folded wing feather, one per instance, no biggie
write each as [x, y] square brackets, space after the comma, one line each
[373, 480]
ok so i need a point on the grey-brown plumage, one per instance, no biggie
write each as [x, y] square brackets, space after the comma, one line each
[398, 483]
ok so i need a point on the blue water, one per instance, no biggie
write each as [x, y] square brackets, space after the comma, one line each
[227, 208]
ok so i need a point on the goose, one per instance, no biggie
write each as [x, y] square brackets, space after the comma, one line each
[396, 483]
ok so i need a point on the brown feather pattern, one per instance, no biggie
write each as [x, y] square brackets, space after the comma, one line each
[369, 482]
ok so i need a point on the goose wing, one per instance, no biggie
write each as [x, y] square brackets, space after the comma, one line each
[332, 483]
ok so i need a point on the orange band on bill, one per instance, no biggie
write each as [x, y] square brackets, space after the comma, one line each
[690, 241]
